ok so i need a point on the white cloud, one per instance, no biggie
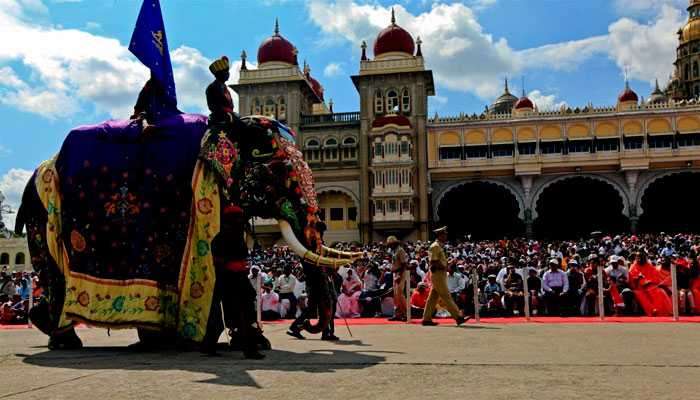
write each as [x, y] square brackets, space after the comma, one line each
[647, 49]
[465, 58]
[4, 150]
[627, 7]
[452, 38]
[9, 78]
[482, 4]
[333, 69]
[12, 186]
[70, 68]
[545, 102]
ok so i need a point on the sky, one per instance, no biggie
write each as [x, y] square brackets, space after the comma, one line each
[65, 63]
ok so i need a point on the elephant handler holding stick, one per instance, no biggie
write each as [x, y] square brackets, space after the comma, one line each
[438, 269]
[232, 287]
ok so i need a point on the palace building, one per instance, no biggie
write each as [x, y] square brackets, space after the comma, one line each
[394, 168]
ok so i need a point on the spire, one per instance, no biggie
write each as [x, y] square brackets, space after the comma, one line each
[393, 17]
[307, 69]
[363, 46]
[243, 58]
[523, 79]
[507, 91]
[330, 106]
[277, 27]
[419, 52]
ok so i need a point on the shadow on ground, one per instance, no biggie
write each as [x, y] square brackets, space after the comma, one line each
[230, 368]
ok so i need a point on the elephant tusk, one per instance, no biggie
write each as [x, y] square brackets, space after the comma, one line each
[341, 254]
[306, 254]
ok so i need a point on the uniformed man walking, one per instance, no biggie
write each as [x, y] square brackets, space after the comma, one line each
[438, 269]
[398, 267]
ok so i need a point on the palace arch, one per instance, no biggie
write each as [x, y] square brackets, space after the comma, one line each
[574, 206]
[667, 203]
[485, 209]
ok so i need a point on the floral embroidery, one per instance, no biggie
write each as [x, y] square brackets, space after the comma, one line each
[202, 248]
[118, 304]
[225, 152]
[196, 290]
[205, 206]
[84, 299]
[77, 241]
[47, 176]
[152, 303]
[189, 330]
[123, 203]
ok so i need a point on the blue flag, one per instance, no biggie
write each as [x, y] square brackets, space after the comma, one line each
[150, 45]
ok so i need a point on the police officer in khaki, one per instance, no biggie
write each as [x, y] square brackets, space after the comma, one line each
[438, 270]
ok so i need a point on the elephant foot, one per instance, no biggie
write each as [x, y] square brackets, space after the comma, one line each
[259, 341]
[150, 340]
[65, 341]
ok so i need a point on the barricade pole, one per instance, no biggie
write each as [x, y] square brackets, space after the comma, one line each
[407, 279]
[31, 300]
[674, 289]
[601, 299]
[475, 284]
[258, 299]
[526, 293]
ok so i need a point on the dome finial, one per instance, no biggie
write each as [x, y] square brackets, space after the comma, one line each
[523, 79]
[277, 27]
[393, 17]
[657, 85]
[244, 56]
[507, 91]
[363, 46]
[419, 51]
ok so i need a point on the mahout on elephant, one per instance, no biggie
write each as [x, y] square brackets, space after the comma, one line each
[122, 226]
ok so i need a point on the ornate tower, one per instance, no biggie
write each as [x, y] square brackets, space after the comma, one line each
[394, 89]
[685, 83]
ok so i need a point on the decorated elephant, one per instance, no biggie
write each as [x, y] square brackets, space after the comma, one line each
[120, 224]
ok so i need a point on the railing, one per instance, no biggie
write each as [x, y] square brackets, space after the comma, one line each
[335, 118]
[564, 112]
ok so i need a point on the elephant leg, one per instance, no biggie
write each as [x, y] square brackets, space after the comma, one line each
[150, 340]
[65, 340]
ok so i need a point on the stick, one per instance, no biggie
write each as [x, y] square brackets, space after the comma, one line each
[475, 283]
[674, 288]
[407, 284]
[601, 303]
[526, 289]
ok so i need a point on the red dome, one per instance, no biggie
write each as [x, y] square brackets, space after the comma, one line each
[394, 38]
[627, 95]
[523, 102]
[277, 49]
[316, 86]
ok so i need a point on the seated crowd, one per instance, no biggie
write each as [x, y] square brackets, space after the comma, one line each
[560, 276]
[15, 290]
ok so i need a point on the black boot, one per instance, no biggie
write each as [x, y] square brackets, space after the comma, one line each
[68, 340]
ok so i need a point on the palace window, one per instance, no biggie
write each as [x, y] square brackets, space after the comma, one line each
[257, 107]
[686, 72]
[379, 206]
[450, 152]
[352, 213]
[392, 206]
[551, 147]
[349, 148]
[607, 144]
[660, 142]
[281, 109]
[579, 146]
[633, 142]
[475, 151]
[691, 139]
[19, 259]
[5, 259]
[378, 149]
[312, 150]
[527, 149]
[378, 103]
[405, 101]
[392, 101]
[269, 109]
[502, 150]
[696, 69]
[405, 147]
[336, 214]
[406, 206]
[330, 148]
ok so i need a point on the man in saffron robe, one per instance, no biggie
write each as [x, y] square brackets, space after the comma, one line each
[645, 281]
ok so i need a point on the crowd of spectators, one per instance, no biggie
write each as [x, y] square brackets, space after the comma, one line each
[15, 291]
[561, 277]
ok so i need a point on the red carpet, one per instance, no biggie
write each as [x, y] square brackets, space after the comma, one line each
[515, 320]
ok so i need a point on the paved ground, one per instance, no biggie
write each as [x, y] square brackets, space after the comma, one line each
[524, 361]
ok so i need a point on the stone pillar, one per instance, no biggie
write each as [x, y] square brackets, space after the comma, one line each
[529, 233]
